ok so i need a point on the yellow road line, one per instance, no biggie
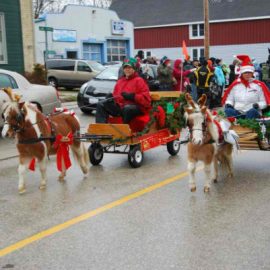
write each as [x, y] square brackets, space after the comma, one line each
[71, 222]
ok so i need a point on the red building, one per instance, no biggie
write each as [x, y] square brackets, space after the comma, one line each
[236, 27]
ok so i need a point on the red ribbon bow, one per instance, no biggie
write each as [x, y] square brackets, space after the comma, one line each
[62, 155]
[32, 164]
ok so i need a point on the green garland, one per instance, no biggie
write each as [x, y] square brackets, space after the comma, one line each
[252, 124]
[174, 119]
[255, 126]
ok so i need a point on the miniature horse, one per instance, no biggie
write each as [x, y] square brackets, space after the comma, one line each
[205, 144]
[25, 122]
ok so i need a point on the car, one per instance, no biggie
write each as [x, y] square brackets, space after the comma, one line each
[44, 96]
[71, 73]
[103, 84]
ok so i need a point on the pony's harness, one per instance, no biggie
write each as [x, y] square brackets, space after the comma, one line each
[205, 131]
[50, 127]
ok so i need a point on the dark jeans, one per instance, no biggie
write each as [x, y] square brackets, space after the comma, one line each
[194, 93]
[206, 91]
[109, 107]
[251, 114]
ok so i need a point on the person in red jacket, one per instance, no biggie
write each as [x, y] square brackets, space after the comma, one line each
[180, 76]
[130, 97]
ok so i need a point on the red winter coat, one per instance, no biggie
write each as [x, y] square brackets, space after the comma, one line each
[177, 73]
[133, 84]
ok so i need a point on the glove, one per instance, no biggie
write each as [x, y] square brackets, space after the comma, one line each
[227, 106]
[128, 96]
[110, 95]
[255, 106]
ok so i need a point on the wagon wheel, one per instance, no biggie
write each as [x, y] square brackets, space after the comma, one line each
[95, 152]
[173, 147]
[135, 156]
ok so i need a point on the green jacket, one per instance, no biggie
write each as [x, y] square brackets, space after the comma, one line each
[165, 74]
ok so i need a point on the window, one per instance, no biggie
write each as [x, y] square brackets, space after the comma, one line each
[196, 31]
[83, 67]
[197, 53]
[7, 81]
[60, 64]
[116, 50]
[3, 47]
[92, 51]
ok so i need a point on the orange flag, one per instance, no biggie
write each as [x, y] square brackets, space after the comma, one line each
[184, 50]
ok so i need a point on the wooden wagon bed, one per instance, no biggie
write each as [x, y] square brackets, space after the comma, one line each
[248, 139]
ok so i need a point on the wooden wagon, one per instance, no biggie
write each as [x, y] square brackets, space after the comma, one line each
[250, 140]
[120, 139]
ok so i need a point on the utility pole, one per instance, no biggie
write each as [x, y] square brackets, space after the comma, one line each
[206, 28]
[46, 29]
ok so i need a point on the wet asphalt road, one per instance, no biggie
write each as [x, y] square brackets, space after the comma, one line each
[166, 227]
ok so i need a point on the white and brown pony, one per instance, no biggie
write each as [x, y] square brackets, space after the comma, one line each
[25, 122]
[205, 143]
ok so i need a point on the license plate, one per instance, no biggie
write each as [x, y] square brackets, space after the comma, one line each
[93, 100]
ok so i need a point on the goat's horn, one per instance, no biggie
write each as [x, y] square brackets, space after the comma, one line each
[17, 97]
[9, 92]
[202, 100]
[190, 100]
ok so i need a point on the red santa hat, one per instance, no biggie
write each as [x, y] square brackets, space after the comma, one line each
[246, 64]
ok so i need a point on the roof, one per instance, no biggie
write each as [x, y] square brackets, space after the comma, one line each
[145, 13]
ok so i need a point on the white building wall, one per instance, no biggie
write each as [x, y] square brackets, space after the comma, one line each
[259, 51]
[91, 23]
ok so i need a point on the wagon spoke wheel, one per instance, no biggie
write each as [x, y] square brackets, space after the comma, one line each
[135, 156]
[173, 147]
[95, 152]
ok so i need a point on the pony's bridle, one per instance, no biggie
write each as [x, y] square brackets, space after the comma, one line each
[200, 108]
[203, 129]
[19, 119]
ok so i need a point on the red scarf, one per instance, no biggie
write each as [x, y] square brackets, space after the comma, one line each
[265, 90]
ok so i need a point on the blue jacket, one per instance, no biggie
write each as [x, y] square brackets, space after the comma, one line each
[220, 78]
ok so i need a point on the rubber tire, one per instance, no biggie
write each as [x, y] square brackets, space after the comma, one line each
[173, 147]
[86, 111]
[135, 156]
[95, 152]
[53, 82]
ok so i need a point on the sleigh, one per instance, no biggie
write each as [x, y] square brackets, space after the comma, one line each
[135, 138]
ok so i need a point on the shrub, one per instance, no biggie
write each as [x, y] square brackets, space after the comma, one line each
[38, 75]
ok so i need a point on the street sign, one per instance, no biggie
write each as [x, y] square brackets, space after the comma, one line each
[46, 28]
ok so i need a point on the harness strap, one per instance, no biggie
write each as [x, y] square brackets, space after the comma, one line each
[220, 132]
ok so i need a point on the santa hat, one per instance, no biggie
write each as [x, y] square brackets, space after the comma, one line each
[246, 64]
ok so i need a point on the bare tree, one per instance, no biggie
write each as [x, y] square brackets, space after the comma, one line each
[41, 6]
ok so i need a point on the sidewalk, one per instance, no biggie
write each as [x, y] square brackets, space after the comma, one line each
[68, 96]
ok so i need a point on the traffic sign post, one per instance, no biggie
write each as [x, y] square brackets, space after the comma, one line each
[46, 29]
